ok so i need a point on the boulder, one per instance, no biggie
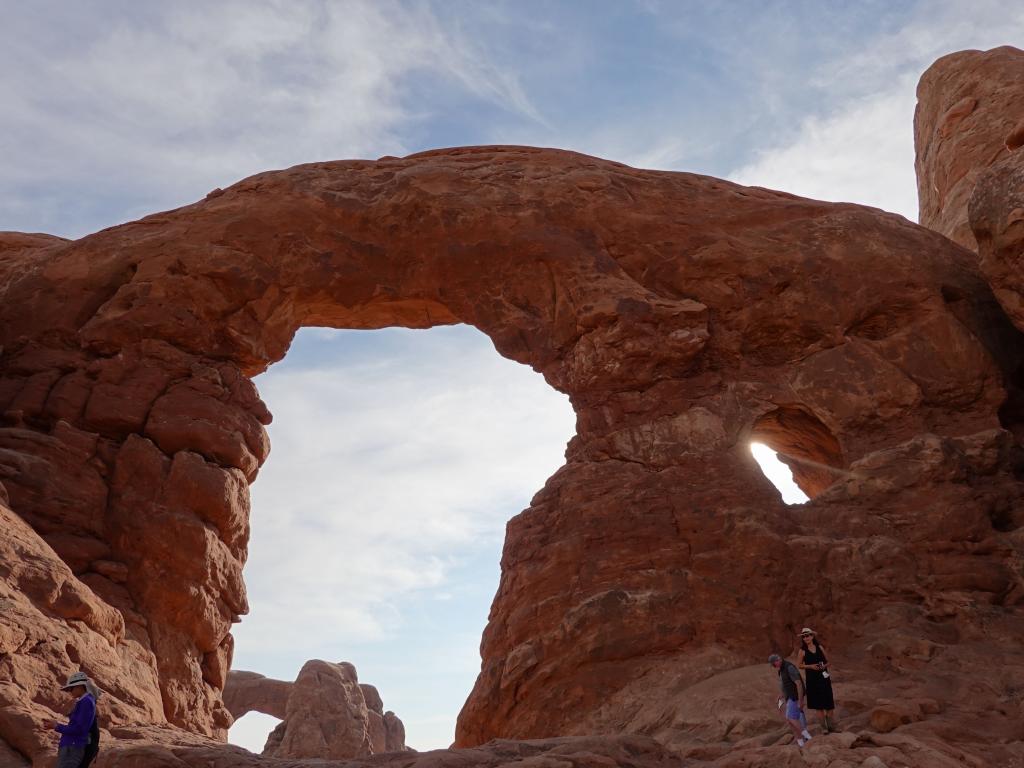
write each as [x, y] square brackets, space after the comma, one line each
[326, 716]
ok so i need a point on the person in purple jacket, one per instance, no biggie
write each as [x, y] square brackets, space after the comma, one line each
[74, 734]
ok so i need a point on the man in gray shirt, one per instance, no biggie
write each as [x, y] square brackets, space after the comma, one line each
[793, 697]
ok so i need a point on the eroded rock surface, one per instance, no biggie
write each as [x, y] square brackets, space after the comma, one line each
[683, 315]
[997, 219]
[326, 712]
[51, 620]
[326, 715]
[970, 117]
[970, 165]
[246, 692]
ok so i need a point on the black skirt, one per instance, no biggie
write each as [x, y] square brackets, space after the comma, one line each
[819, 691]
[819, 687]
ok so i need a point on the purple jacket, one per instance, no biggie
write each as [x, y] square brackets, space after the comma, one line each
[76, 732]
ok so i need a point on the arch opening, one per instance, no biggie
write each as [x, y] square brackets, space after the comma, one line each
[378, 519]
[803, 443]
[251, 730]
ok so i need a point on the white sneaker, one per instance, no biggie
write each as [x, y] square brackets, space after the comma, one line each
[807, 735]
[800, 743]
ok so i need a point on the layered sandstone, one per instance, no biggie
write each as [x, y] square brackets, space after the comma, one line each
[684, 316]
[326, 713]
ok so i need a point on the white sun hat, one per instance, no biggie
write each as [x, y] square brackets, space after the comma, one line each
[76, 679]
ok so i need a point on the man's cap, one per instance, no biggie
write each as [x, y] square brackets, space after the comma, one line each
[78, 678]
[773, 658]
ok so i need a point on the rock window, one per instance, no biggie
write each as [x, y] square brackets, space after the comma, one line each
[792, 437]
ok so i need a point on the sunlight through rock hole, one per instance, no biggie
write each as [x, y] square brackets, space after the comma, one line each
[806, 453]
[778, 473]
[378, 520]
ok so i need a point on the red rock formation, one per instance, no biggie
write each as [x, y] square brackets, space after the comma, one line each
[683, 315]
[996, 212]
[981, 166]
[970, 116]
[326, 712]
[394, 733]
[51, 622]
[326, 716]
[387, 732]
[246, 692]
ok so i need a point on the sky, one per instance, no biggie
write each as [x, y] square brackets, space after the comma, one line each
[398, 456]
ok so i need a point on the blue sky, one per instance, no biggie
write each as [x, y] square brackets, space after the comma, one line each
[377, 521]
[117, 109]
[377, 526]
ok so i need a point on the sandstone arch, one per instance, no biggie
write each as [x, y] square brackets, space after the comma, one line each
[675, 310]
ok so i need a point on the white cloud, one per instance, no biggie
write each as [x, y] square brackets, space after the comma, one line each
[383, 473]
[397, 458]
[863, 152]
[860, 147]
[163, 102]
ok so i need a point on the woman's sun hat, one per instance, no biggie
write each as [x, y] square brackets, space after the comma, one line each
[806, 631]
[76, 679]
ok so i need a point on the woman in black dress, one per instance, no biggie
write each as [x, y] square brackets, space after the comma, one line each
[815, 664]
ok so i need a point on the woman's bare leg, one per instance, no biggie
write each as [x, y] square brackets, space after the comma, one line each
[822, 720]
